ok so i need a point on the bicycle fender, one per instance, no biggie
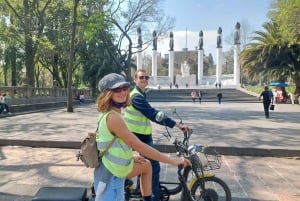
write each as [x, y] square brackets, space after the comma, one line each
[205, 175]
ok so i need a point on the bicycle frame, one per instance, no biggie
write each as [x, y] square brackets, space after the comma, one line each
[200, 164]
[195, 179]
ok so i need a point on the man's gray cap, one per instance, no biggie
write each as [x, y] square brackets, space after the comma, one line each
[111, 81]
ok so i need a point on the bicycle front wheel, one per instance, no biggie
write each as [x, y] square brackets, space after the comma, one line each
[215, 189]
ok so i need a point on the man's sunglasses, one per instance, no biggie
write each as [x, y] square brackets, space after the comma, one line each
[144, 77]
[119, 89]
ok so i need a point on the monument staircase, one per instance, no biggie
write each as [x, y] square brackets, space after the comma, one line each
[208, 95]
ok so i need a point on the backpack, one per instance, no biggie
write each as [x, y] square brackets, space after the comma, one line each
[89, 153]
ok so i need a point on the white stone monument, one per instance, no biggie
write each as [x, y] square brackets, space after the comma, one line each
[154, 57]
[219, 57]
[200, 58]
[171, 59]
[237, 44]
[185, 69]
[185, 79]
[139, 54]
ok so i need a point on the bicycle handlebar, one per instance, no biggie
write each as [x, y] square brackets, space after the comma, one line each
[180, 167]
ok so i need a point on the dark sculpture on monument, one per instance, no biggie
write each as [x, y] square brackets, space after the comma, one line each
[154, 40]
[219, 38]
[237, 34]
[200, 43]
[140, 42]
[171, 41]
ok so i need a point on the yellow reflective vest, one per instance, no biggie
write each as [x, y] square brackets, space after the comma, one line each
[119, 157]
[135, 120]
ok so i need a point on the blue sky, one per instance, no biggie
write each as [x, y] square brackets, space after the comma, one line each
[209, 15]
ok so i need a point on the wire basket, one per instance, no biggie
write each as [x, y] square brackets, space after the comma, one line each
[210, 161]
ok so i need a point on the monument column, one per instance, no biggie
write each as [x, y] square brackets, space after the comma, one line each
[171, 58]
[154, 57]
[139, 54]
[219, 57]
[236, 65]
[200, 58]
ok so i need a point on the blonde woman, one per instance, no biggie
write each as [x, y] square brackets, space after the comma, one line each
[119, 162]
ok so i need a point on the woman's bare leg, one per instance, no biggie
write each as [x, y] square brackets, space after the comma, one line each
[143, 168]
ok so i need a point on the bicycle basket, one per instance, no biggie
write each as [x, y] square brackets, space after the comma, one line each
[213, 162]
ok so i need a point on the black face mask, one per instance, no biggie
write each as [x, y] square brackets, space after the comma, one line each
[118, 105]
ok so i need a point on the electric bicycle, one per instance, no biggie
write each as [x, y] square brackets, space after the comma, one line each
[203, 185]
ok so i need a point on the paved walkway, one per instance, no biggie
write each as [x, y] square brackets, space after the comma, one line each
[23, 170]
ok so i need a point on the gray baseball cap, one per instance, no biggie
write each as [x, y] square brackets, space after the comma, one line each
[111, 81]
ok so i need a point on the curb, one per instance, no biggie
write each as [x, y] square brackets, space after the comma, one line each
[233, 151]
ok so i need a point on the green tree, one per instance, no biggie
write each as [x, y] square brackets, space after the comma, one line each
[54, 45]
[43, 29]
[96, 49]
[10, 46]
[272, 55]
[31, 21]
[286, 13]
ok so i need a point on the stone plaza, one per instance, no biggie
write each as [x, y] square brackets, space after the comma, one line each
[228, 126]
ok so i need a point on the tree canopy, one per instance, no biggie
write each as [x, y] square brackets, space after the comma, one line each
[36, 37]
[286, 13]
[273, 56]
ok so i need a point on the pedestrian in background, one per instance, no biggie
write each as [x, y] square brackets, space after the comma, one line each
[81, 99]
[200, 96]
[194, 95]
[267, 96]
[219, 97]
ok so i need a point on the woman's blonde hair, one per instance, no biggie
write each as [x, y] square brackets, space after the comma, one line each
[104, 100]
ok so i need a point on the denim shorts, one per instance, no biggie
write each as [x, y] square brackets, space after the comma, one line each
[114, 190]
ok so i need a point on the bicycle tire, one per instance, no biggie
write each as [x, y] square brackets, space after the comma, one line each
[178, 188]
[216, 190]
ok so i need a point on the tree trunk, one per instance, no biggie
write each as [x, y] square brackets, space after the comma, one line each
[71, 60]
[55, 76]
[29, 62]
[29, 46]
[297, 84]
[13, 60]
